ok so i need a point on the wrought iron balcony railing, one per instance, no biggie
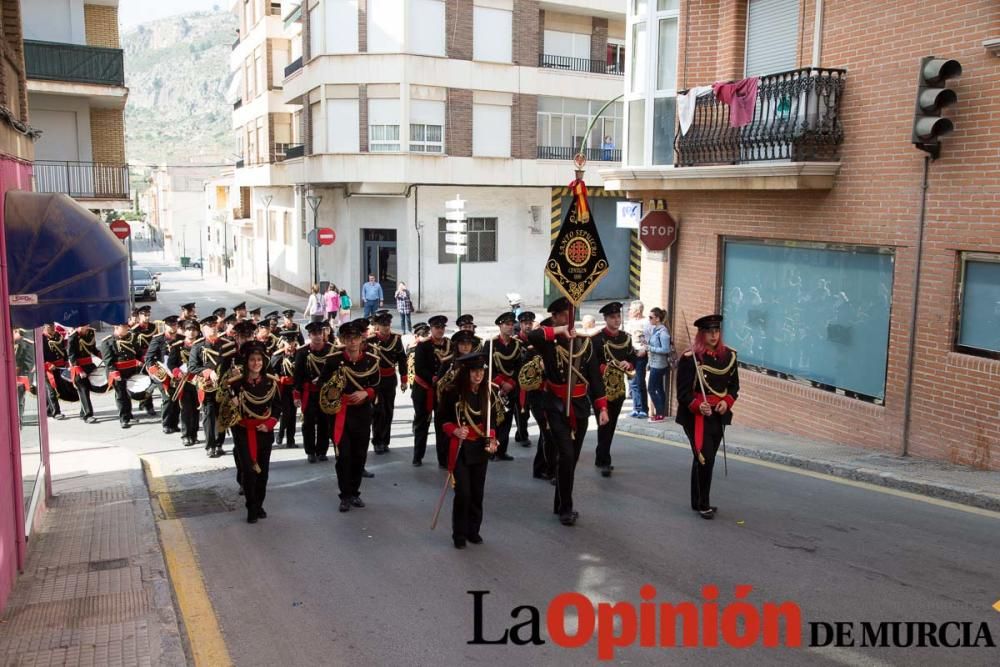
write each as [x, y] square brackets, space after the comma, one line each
[54, 61]
[796, 118]
[578, 64]
[290, 151]
[568, 153]
[82, 180]
[293, 67]
[237, 104]
[240, 163]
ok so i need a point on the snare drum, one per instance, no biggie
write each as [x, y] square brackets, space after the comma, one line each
[138, 386]
[65, 389]
[98, 380]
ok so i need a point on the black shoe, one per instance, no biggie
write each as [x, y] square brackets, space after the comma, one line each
[291, 445]
[323, 457]
[366, 474]
[459, 542]
[345, 505]
[443, 466]
[150, 411]
[606, 471]
[216, 453]
[90, 420]
[251, 516]
[126, 424]
[357, 502]
[553, 481]
[526, 443]
[261, 514]
[417, 464]
[707, 514]
[311, 458]
[170, 430]
[186, 442]
[241, 492]
[195, 441]
[381, 450]
[504, 457]
[210, 452]
[475, 539]
[568, 518]
[542, 475]
[60, 416]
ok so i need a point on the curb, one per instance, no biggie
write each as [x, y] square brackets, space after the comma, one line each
[957, 494]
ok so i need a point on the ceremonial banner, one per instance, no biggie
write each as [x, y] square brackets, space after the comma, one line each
[577, 261]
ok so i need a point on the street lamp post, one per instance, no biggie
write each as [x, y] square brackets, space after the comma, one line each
[267, 199]
[314, 202]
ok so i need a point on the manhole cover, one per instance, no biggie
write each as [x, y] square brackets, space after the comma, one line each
[113, 564]
[194, 502]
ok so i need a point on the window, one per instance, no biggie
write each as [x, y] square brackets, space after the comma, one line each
[812, 312]
[567, 44]
[652, 34]
[979, 300]
[426, 27]
[385, 26]
[272, 229]
[261, 82]
[562, 122]
[315, 32]
[426, 126]
[492, 34]
[383, 125]
[616, 57]
[318, 128]
[286, 228]
[280, 50]
[772, 37]
[481, 242]
[342, 126]
[490, 130]
[341, 26]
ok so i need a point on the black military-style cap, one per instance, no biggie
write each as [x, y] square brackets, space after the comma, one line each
[256, 311]
[192, 325]
[351, 329]
[219, 312]
[462, 336]
[273, 315]
[547, 322]
[242, 305]
[245, 328]
[210, 321]
[188, 306]
[382, 318]
[473, 360]
[613, 308]
[709, 322]
[289, 313]
[252, 346]
[290, 334]
[560, 305]
[315, 327]
[465, 319]
[421, 329]
[171, 320]
[526, 316]
[144, 309]
[505, 317]
[362, 323]
[230, 319]
[437, 321]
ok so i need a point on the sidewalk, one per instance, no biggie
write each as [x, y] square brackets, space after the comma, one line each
[960, 484]
[94, 589]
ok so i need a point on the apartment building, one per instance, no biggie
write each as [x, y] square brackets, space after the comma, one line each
[859, 279]
[175, 202]
[378, 111]
[77, 95]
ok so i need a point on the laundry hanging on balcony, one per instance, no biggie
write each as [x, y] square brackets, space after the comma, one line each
[63, 264]
[741, 97]
[686, 103]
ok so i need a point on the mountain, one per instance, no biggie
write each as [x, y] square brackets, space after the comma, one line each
[177, 71]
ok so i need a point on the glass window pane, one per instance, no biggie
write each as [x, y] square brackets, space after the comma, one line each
[638, 57]
[433, 133]
[667, 5]
[639, 7]
[663, 130]
[980, 326]
[636, 132]
[666, 55]
[416, 132]
[549, 103]
[817, 314]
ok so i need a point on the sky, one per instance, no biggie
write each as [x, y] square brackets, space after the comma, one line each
[133, 12]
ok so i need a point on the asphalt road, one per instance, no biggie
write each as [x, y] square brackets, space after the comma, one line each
[376, 586]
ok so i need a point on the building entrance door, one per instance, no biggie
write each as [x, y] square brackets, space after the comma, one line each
[378, 256]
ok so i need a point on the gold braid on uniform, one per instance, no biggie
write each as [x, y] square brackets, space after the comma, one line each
[614, 374]
[702, 368]
[499, 357]
[446, 353]
[250, 403]
[562, 359]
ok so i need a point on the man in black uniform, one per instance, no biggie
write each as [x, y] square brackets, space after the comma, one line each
[24, 366]
[282, 366]
[388, 347]
[156, 357]
[220, 314]
[254, 315]
[568, 432]
[210, 360]
[184, 393]
[55, 355]
[427, 359]
[82, 346]
[533, 400]
[614, 349]
[352, 423]
[507, 358]
[240, 310]
[289, 325]
[122, 357]
[188, 312]
[310, 362]
[142, 334]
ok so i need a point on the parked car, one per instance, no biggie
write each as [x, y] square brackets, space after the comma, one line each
[196, 263]
[156, 280]
[142, 285]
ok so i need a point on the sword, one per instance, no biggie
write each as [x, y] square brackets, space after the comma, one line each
[569, 373]
[440, 503]
[697, 371]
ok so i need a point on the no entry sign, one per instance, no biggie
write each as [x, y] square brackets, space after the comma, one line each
[121, 229]
[326, 236]
[657, 231]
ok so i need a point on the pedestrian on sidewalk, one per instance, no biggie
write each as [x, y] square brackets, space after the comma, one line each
[635, 327]
[658, 343]
[708, 384]
[404, 306]
[371, 296]
[332, 302]
[345, 307]
[315, 306]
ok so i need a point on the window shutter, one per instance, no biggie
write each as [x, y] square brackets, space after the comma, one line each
[772, 37]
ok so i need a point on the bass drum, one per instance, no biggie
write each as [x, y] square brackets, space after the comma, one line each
[138, 386]
[98, 380]
[65, 389]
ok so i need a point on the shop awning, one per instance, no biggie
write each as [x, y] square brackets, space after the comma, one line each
[63, 264]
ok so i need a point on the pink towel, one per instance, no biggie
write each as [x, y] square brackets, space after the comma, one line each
[741, 98]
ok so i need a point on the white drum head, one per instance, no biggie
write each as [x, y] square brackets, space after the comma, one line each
[138, 384]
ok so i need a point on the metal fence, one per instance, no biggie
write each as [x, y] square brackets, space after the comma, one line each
[73, 62]
[83, 180]
[578, 64]
[293, 67]
[568, 153]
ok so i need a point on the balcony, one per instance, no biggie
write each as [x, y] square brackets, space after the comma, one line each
[274, 9]
[51, 61]
[240, 163]
[293, 67]
[578, 65]
[237, 104]
[284, 152]
[236, 42]
[796, 119]
[567, 153]
[82, 180]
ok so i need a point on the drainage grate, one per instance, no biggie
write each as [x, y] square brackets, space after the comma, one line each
[194, 502]
[113, 564]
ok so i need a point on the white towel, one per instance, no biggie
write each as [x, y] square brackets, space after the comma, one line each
[686, 104]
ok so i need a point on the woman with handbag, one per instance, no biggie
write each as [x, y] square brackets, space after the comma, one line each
[315, 306]
[659, 350]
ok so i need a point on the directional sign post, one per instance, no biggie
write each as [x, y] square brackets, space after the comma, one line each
[456, 238]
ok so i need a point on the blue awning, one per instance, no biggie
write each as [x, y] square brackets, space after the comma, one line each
[63, 264]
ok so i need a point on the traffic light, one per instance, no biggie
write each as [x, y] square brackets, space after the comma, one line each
[932, 97]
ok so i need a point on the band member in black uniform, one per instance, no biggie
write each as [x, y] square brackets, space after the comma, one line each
[463, 342]
[82, 348]
[507, 355]
[532, 400]
[209, 362]
[220, 314]
[358, 373]
[259, 403]
[156, 357]
[288, 324]
[143, 332]
[282, 366]
[240, 310]
[183, 391]
[262, 334]
[708, 384]
[122, 357]
[465, 407]
[56, 360]
[254, 315]
[614, 348]
[309, 364]
[228, 328]
[188, 312]
[388, 347]
[427, 359]
[24, 366]
[553, 343]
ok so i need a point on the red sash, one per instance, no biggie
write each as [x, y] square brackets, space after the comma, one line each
[340, 419]
[251, 426]
[131, 363]
[307, 390]
[387, 372]
[25, 382]
[79, 366]
[428, 389]
[699, 420]
[455, 444]
[49, 365]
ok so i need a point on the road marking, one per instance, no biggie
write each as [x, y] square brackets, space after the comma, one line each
[204, 634]
[997, 606]
[832, 478]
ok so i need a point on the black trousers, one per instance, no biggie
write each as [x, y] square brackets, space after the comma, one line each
[520, 417]
[545, 453]
[209, 417]
[286, 427]
[385, 407]
[123, 400]
[607, 432]
[315, 428]
[567, 443]
[83, 388]
[352, 449]
[701, 474]
[188, 407]
[52, 407]
[421, 422]
[467, 509]
[503, 428]
[254, 484]
[170, 412]
[441, 441]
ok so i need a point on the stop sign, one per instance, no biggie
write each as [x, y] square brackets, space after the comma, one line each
[657, 231]
[120, 229]
[326, 236]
